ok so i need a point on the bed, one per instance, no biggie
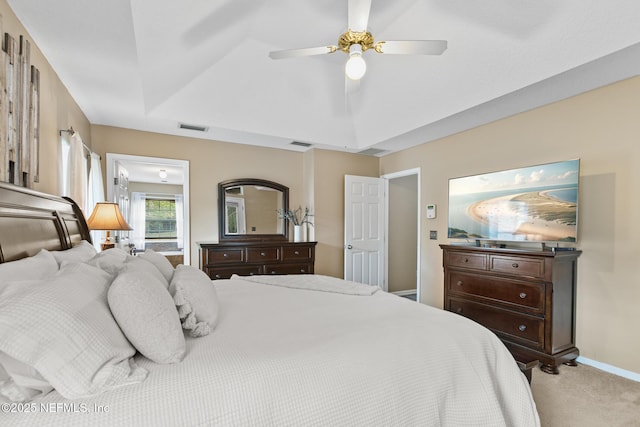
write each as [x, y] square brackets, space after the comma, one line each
[280, 350]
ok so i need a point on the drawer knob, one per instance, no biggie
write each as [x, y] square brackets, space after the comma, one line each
[302, 270]
[523, 295]
[296, 253]
[466, 260]
[263, 254]
[459, 310]
[217, 276]
[459, 283]
[515, 265]
[273, 272]
[225, 255]
[522, 328]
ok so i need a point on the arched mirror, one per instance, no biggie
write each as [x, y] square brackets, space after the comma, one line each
[248, 210]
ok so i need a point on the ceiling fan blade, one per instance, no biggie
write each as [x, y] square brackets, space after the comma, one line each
[293, 53]
[411, 47]
[359, 14]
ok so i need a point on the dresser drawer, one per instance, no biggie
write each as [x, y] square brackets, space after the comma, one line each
[520, 294]
[516, 327]
[263, 254]
[288, 269]
[521, 266]
[226, 272]
[296, 253]
[225, 256]
[467, 260]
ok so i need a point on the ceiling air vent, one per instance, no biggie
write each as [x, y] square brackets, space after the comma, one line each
[301, 144]
[372, 152]
[193, 127]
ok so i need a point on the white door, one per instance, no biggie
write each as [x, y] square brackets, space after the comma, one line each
[364, 225]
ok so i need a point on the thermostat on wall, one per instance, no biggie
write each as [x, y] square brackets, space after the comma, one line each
[431, 211]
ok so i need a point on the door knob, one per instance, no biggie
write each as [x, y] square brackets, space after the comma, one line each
[349, 247]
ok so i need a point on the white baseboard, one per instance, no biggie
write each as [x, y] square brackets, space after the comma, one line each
[609, 368]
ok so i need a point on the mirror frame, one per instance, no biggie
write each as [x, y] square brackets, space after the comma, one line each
[222, 187]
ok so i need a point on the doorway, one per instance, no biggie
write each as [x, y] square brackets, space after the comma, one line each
[382, 231]
[403, 233]
[155, 179]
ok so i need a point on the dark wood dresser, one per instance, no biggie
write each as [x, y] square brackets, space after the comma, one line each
[221, 260]
[526, 297]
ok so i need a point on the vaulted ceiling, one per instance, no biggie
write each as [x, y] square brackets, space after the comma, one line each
[152, 64]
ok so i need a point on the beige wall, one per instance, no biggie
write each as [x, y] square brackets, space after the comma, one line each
[403, 237]
[601, 128]
[315, 179]
[329, 169]
[148, 187]
[209, 163]
[258, 205]
[57, 109]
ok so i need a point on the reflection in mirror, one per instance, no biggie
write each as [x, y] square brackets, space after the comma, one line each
[248, 210]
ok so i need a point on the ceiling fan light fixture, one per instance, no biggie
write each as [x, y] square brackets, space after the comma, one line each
[355, 66]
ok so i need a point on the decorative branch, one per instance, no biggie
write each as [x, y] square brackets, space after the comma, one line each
[296, 217]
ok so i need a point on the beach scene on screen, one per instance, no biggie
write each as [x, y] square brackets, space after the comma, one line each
[537, 203]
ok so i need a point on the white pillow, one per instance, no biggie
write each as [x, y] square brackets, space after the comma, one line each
[110, 260]
[160, 261]
[144, 309]
[81, 252]
[39, 266]
[148, 268]
[62, 327]
[196, 298]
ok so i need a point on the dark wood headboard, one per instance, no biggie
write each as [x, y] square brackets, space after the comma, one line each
[30, 221]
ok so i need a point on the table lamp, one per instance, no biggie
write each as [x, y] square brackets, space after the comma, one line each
[107, 216]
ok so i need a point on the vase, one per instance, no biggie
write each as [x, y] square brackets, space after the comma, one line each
[300, 233]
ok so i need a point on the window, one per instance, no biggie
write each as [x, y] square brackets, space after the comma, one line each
[160, 219]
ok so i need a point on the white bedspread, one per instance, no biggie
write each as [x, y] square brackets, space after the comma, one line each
[282, 356]
[312, 282]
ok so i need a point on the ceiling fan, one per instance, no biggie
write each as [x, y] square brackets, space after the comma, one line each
[358, 40]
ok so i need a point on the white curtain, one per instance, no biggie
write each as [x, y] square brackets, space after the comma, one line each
[180, 220]
[95, 194]
[138, 215]
[78, 172]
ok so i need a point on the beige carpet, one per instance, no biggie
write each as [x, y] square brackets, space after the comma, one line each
[584, 396]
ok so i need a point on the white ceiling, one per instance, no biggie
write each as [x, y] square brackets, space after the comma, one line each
[151, 64]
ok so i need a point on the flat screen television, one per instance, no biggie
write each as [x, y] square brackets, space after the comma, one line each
[531, 204]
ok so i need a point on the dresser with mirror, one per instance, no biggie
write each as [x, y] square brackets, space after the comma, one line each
[253, 238]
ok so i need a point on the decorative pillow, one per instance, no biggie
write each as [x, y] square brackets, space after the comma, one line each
[19, 382]
[81, 252]
[160, 261]
[110, 260]
[148, 268]
[144, 309]
[63, 328]
[39, 266]
[196, 299]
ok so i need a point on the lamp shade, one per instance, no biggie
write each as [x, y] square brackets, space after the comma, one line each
[107, 216]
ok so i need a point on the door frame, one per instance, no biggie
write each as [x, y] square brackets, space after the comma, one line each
[184, 164]
[387, 178]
